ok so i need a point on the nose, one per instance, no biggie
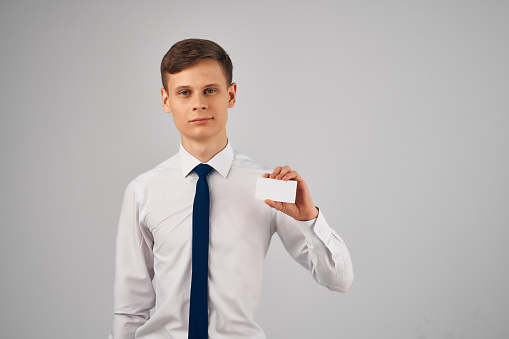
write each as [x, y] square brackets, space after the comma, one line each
[200, 103]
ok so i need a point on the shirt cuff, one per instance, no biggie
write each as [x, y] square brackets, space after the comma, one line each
[316, 230]
[318, 234]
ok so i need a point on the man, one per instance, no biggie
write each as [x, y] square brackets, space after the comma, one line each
[161, 232]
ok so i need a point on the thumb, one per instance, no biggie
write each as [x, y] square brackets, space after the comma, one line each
[274, 204]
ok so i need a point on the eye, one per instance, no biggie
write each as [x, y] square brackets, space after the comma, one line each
[209, 91]
[184, 92]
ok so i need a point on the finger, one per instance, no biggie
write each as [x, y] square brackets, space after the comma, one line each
[276, 172]
[284, 171]
[293, 175]
[265, 175]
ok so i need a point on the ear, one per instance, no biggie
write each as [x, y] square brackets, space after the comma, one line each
[166, 103]
[232, 95]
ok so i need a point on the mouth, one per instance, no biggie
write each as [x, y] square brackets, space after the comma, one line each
[201, 119]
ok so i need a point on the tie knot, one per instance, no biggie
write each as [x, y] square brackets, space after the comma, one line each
[203, 170]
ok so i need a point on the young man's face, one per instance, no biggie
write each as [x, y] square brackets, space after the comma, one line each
[198, 98]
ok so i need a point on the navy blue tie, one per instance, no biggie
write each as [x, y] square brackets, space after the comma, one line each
[199, 311]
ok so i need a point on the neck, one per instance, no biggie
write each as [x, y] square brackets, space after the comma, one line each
[204, 150]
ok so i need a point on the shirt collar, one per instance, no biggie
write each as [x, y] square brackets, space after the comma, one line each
[221, 162]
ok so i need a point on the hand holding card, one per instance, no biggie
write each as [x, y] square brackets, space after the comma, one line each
[298, 205]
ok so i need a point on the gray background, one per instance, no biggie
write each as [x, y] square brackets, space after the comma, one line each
[395, 112]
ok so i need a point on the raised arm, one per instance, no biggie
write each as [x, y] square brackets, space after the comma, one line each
[308, 238]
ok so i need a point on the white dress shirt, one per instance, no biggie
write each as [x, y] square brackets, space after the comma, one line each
[154, 243]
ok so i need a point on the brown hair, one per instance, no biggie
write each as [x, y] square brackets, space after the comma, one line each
[188, 52]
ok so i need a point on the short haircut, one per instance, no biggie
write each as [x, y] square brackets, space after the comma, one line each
[186, 53]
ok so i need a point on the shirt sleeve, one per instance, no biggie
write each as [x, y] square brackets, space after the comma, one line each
[318, 248]
[134, 268]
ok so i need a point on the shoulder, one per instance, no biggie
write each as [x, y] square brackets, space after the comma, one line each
[166, 168]
[242, 161]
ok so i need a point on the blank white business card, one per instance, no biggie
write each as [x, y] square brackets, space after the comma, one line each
[277, 190]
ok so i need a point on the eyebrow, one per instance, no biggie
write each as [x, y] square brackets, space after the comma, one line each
[178, 88]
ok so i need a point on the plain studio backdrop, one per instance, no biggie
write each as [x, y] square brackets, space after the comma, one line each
[396, 113]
